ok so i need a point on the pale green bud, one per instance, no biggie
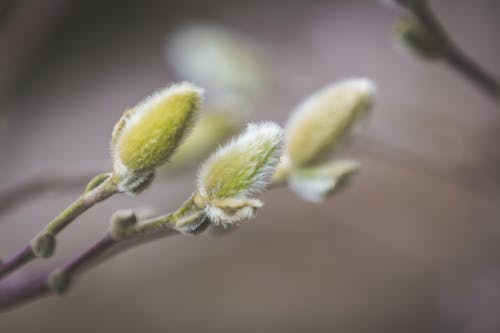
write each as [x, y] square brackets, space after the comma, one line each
[326, 119]
[315, 184]
[416, 38]
[147, 135]
[218, 58]
[243, 168]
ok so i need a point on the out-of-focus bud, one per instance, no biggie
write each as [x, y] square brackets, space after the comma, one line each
[220, 119]
[243, 168]
[147, 135]
[326, 119]
[217, 58]
[315, 184]
[416, 38]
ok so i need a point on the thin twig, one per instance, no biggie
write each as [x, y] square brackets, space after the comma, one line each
[87, 200]
[16, 293]
[450, 52]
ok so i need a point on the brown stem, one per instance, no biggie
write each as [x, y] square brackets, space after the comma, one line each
[451, 53]
[87, 200]
[19, 292]
[16, 261]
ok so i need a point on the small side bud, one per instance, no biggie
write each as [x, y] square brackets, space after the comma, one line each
[326, 119]
[43, 245]
[96, 181]
[122, 221]
[147, 135]
[243, 168]
[318, 183]
[416, 38]
[58, 281]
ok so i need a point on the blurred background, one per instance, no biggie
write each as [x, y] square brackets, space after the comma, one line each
[411, 246]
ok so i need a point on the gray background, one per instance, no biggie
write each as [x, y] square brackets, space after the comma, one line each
[411, 246]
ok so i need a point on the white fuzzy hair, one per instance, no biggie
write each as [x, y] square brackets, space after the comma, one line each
[147, 104]
[255, 139]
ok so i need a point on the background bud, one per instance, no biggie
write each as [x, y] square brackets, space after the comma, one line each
[325, 119]
[218, 58]
[221, 119]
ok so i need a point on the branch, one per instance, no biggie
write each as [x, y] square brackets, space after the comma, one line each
[57, 281]
[449, 51]
[44, 244]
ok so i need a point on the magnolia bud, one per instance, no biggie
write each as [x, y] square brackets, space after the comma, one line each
[326, 119]
[239, 170]
[315, 184]
[147, 135]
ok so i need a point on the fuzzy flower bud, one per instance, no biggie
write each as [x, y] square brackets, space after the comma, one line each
[315, 184]
[416, 38]
[147, 135]
[243, 168]
[326, 119]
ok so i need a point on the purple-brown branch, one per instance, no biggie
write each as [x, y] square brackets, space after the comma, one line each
[449, 51]
[15, 292]
[86, 201]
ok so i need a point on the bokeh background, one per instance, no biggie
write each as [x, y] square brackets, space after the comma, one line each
[412, 245]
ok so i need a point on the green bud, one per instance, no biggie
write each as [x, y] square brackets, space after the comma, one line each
[147, 135]
[122, 221]
[58, 281]
[326, 119]
[43, 245]
[237, 171]
[416, 38]
[315, 184]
